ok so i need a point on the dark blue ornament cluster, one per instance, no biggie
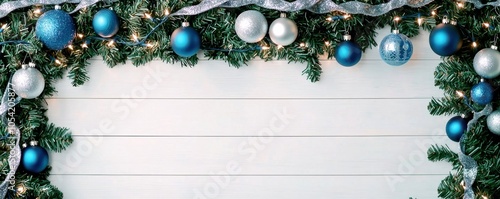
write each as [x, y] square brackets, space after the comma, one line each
[456, 127]
[186, 41]
[482, 93]
[34, 158]
[55, 29]
[347, 53]
[106, 23]
[445, 39]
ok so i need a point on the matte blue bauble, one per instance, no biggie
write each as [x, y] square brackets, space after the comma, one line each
[186, 41]
[396, 49]
[445, 39]
[347, 53]
[34, 159]
[456, 127]
[55, 29]
[106, 23]
[482, 93]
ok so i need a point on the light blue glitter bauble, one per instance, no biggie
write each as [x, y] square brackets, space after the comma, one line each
[186, 41]
[55, 29]
[347, 53]
[396, 49]
[34, 159]
[445, 39]
[106, 23]
[482, 93]
[456, 127]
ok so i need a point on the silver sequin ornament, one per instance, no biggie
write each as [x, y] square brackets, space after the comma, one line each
[493, 122]
[487, 62]
[28, 82]
[251, 26]
[283, 31]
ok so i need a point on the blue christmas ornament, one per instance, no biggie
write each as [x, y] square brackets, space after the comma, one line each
[186, 42]
[396, 49]
[55, 29]
[456, 127]
[106, 23]
[347, 53]
[482, 93]
[445, 39]
[34, 158]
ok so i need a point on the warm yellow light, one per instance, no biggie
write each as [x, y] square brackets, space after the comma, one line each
[37, 11]
[84, 45]
[397, 18]
[327, 43]
[420, 21]
[147, 15]
[463, 184]
[80, 35]
[486, 25]
[346, 16]
[111, 43]
[460, 94]
[460, 5]
[280, 46]
[134, 37]
[70, 47]
[58, 62]
[433, 13]
[167, 12]
[484, 197]
[302, 44]
[4, 26]
[329, 19]
[150, 45]
[264, 47]
[474, 44]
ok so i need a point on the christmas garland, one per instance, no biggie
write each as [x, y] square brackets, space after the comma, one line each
[235, 31]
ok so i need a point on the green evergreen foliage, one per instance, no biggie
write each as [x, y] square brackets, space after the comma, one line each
[218, 38]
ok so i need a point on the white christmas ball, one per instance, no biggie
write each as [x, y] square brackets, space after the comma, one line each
[251, 26]
[493, 122]
[283, 31]
[487, 63]
[28, 82]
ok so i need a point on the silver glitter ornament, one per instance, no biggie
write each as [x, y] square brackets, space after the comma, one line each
[28, 82]
[493, 122]
[487, 62]
[251, 26]
[283, 31]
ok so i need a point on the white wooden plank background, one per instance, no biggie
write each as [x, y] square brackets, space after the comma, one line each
[261, 131]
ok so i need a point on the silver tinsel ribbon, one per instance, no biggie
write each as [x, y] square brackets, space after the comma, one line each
[15, 152]
[468, 163]
[8, 7]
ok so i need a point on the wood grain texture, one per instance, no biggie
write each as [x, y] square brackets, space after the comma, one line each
[245, 187]
[163, 131]
[245, 117]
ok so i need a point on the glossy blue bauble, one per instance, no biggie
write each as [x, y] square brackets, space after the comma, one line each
[106, 23]
[445, 39]
[347, 53]
[396, 49]
[456, 127]
[186, 41]
[482, 93]
[55, 29]
[34, 159]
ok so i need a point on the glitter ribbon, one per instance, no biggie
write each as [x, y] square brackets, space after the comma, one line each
[8, 7]
[478, 3]
[468, 163]
[14, 132]
[315, 6]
